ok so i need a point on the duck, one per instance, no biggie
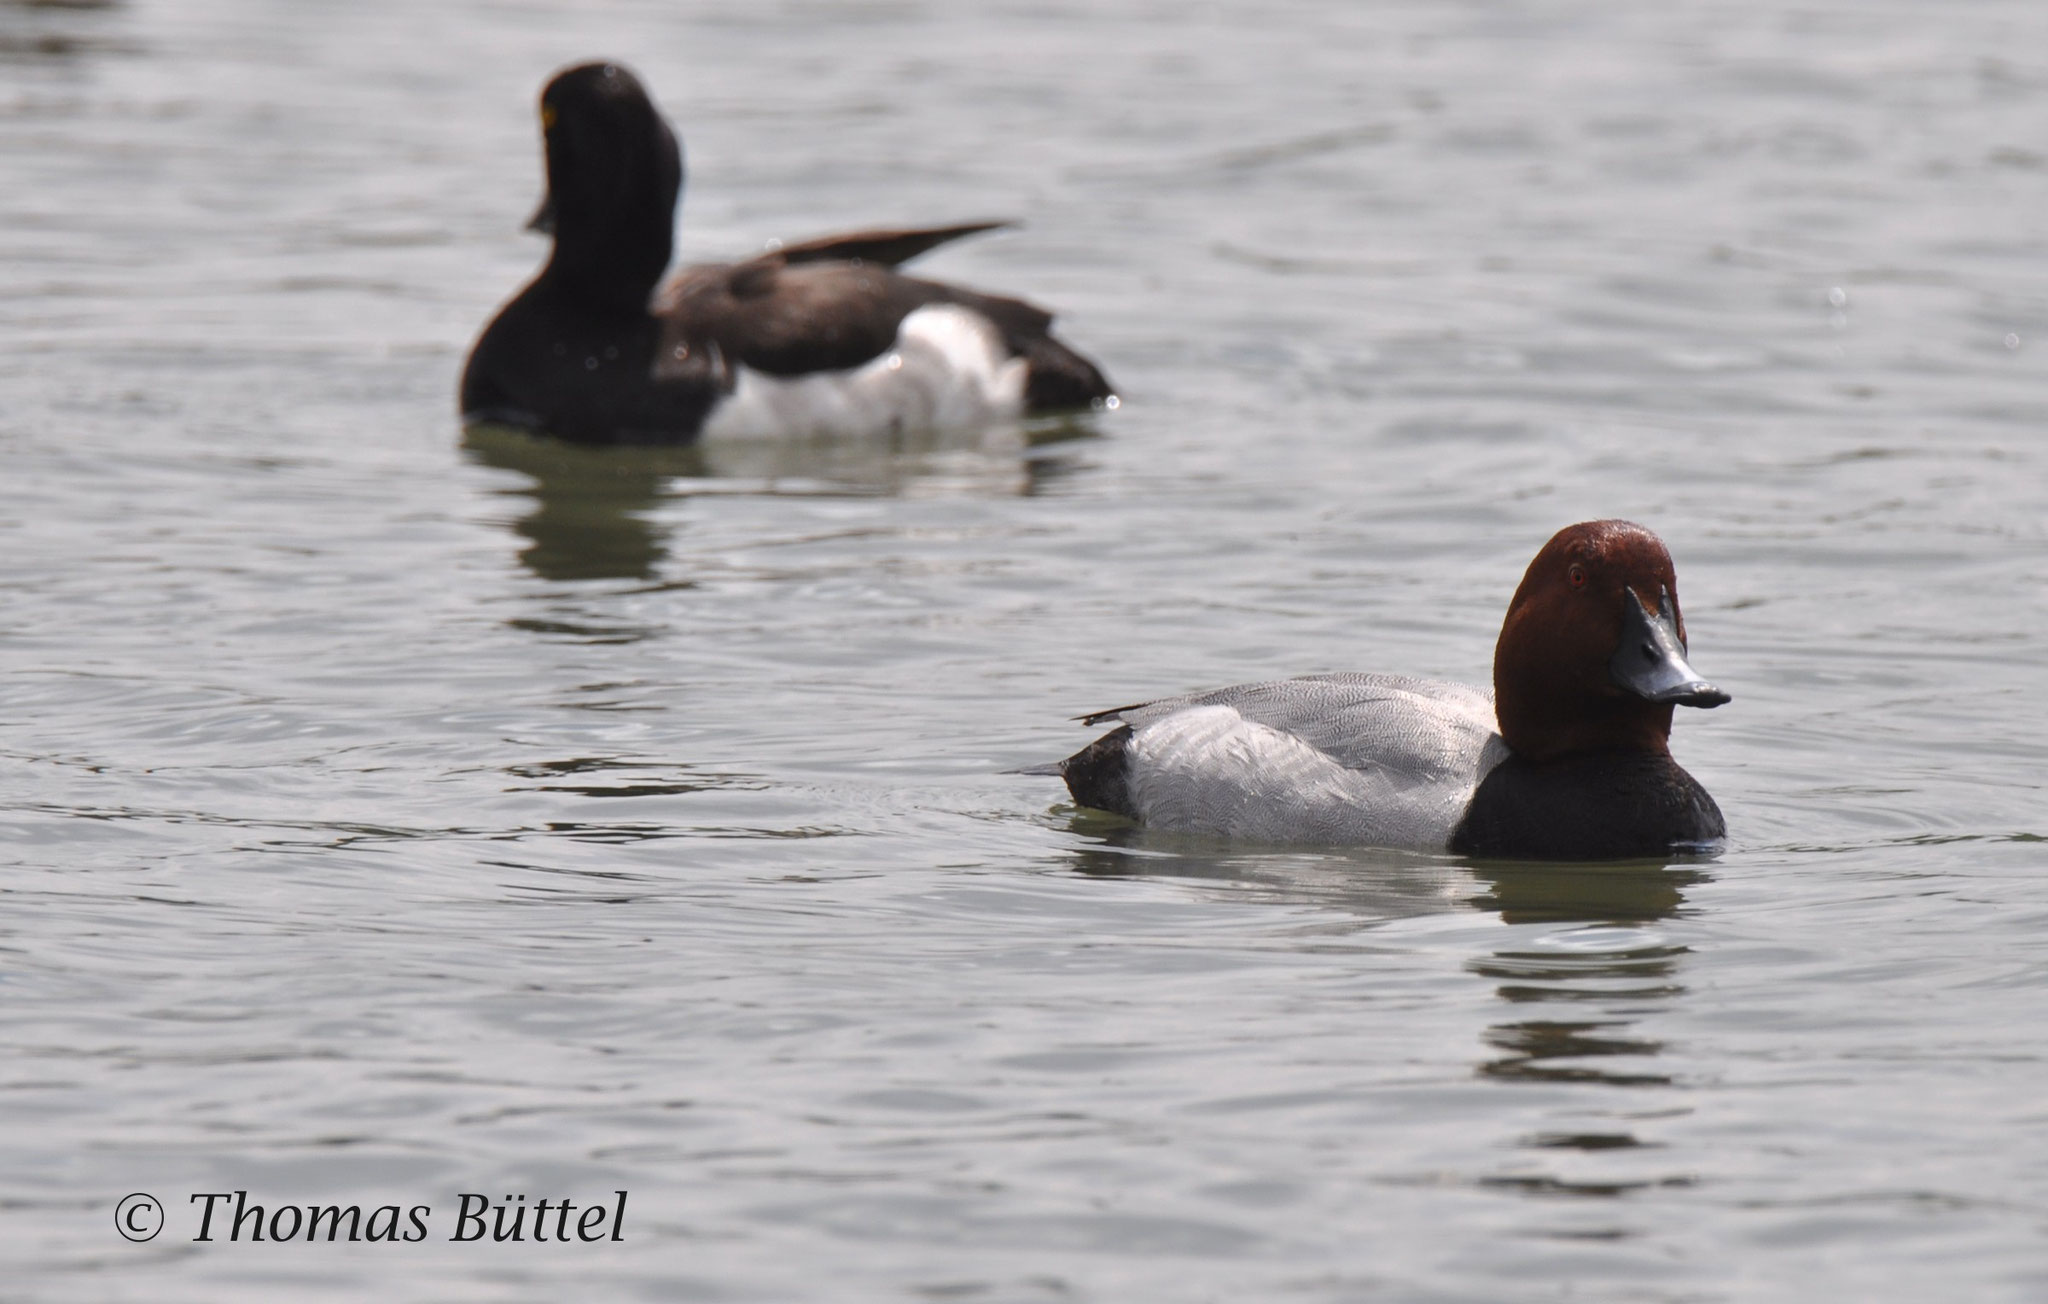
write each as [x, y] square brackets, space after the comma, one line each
[1566, 758]
[819, 337]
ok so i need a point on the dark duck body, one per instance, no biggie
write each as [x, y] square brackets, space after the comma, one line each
[823, 336]
[1568, 758]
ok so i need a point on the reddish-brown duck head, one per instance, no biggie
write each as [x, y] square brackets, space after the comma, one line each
[1592, 654]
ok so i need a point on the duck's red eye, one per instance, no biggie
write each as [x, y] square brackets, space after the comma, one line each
[1577, 576]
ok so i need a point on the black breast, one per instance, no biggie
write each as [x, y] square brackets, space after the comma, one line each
[1602, 806]
[588, 376]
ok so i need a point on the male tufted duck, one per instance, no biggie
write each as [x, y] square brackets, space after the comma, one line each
[822, 337]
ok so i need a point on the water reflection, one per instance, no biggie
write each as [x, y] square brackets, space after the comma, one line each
[1583, 971]
[615, 776]
[57, 30]
[1614, 893]
[594, 514]
[1015, 460]
[1368, 884]
[1581, 967]
[590, 518]
[1583, 986]
[1377, 884]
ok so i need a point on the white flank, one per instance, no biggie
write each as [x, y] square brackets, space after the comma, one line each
[947, 371]
[1209, 769]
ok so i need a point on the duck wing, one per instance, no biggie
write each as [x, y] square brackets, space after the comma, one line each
[1361, 721]
[1381, 760]
[788, 320]
[837, 303]
[792, 319]
[889, 246]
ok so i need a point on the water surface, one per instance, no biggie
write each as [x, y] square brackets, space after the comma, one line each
[390, 815]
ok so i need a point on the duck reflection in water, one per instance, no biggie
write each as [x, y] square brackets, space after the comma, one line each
[1586, 969]
[1377, 884]
[592, 514]
[596, 511]
[1584, 966]
[1602, 959]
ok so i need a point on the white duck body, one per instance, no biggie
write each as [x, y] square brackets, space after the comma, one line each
[1359, 759]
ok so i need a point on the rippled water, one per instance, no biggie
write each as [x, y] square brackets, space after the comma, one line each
[388, 818]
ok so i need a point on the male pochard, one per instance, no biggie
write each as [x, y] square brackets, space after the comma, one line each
[818, 338]
[1566, 759]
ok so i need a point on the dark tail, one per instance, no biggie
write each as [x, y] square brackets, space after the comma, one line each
[1099, 774]
[1060, 380]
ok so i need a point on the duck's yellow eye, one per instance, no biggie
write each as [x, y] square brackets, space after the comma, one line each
[547, 117]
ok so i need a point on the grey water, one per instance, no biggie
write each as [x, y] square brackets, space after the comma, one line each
[390, 815]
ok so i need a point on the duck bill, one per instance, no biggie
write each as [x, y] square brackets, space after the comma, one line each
[543, 219]
[1650, 659]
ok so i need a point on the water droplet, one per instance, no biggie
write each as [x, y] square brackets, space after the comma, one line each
[895, 362]
[1838, 296]
[1112, 403]
[2012, 341]
[590, 364]
[611, 353]
[682, 351]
